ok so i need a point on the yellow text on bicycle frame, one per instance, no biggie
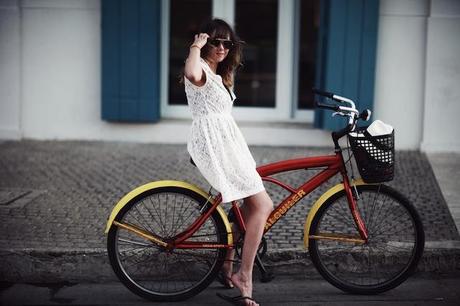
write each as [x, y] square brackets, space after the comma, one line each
[284, 208]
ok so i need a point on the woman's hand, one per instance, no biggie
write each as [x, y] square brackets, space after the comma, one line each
[200, 40]
[193, 70]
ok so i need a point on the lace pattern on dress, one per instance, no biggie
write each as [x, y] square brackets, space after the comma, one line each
[215, 142]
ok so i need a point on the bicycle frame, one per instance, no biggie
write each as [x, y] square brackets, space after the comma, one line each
[178, 221]
[334, 164]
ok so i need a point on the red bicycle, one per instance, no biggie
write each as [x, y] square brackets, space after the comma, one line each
[167, 240]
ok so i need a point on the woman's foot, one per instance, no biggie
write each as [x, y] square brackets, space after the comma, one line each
[236, 300]
[244, 284]
[225, 276]
[225, 280]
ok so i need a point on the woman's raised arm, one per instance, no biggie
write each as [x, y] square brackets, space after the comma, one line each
[193, 70]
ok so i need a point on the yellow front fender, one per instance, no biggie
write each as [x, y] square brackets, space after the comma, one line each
[167, 183]
[314, 209]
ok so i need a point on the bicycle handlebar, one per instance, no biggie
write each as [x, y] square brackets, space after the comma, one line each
[351, 112]
[323, 93]
[327, 106]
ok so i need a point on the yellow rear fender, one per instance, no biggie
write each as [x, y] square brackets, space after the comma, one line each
[319, 203]
[167, 183]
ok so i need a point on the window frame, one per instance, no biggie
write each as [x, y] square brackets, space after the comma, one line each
[285, 109]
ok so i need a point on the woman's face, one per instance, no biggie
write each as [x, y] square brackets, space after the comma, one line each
[219, 48]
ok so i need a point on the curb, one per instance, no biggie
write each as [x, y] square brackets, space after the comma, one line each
[92, 265]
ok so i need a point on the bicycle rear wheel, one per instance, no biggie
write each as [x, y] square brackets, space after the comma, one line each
[395, 244]
[152, 271]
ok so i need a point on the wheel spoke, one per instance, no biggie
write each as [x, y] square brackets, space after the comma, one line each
[391, 253]
[157, 272]
[135, 242]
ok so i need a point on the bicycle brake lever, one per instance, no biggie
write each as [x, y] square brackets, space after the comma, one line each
[339, 114]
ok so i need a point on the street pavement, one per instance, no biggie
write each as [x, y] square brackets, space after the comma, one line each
[434, 290]
[56, 196]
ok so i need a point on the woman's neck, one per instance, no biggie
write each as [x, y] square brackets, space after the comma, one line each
[212, 65]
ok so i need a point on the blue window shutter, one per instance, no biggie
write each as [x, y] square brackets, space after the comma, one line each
[131, 60]
[347, 54]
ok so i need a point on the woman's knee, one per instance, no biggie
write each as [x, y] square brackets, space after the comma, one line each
[260, 202]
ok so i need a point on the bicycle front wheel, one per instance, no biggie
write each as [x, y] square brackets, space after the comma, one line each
[154, 272]
[392, 252]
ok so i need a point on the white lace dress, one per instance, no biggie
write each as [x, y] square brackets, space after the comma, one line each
[215, 142]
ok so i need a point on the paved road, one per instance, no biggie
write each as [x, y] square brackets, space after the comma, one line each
[420, 290]
[55, 197]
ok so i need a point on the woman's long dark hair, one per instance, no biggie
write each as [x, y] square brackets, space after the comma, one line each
[218, 28]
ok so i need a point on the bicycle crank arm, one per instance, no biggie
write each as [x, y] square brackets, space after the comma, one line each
[140, 232]
[338, 237]
[266, 276]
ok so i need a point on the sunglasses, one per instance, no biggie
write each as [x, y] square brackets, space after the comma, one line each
[228, 44]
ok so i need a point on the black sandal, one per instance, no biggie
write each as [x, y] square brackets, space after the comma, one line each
[236, 300]
[225, 281]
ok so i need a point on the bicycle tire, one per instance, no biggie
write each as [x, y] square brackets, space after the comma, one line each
[151, 271]
[394, 248]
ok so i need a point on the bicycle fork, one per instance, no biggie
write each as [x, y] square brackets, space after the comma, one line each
[354, 209]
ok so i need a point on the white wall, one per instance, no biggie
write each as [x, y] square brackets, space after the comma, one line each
[418, 72]
[10, 77]
[442, 92]
[60, 86]
[61, 77]
[400, 72]
[60, 68]
[50, 77]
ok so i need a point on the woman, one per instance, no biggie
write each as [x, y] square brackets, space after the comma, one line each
[217, 146]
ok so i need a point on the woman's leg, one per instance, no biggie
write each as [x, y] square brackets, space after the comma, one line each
[257, 209]
[227, 267]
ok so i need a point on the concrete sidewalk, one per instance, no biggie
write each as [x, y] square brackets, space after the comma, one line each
[55, 198]
[446, 167]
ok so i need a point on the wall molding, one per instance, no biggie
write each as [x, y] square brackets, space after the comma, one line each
[9, 4]
[405, 8]
[59, 4]
[10, 134]
[432, 147]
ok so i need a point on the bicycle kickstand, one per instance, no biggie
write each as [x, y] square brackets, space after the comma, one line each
[266, 276]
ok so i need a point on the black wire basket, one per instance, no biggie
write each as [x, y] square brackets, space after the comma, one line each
[374, 155]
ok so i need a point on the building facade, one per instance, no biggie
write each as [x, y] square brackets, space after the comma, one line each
[108, 70]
